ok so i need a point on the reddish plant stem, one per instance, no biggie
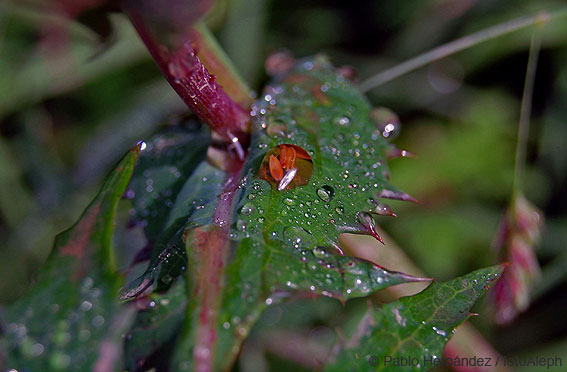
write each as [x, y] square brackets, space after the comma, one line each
[210, 250]
[222, 214]
[192, 81]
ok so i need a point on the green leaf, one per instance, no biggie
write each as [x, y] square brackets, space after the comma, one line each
[245, 245]
[161, 173]
[261, 245]
[414, 330]
[155, 327]
[318, 110]
[72, 318]
[170, 184]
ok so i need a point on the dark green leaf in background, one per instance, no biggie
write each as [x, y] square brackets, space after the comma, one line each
[72, 317]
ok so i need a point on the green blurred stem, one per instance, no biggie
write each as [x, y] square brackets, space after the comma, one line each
[216, 60]
[526, 108]
[457, 46]
[552, 275]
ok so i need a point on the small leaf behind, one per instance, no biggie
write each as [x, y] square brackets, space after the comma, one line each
[416, 327]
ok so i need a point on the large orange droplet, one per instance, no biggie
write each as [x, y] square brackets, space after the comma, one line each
[287, 157]
[276, 169]
[286, 166]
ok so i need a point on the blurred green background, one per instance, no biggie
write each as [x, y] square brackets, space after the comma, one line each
[71, 104]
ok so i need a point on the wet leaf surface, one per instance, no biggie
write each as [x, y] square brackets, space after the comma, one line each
[170, 183]
[161, 172]
[282, 241]
[409, 334]
[155, 328]
[72, 318]
[317, 110]
[224, 244]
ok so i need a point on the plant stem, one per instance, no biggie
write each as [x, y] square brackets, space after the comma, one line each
[526, 107]
[175, 52]
[207, 250]
[456, 46]
[216, 60]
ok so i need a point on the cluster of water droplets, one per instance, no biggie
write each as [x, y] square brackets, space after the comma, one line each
[58, 332]
[154, 185]
[350, 150]
[328, 119]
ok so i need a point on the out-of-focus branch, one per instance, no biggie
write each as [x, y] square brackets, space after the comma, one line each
[526, 107]
[455, 47]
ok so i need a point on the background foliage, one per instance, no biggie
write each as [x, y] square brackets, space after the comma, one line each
[68, 114]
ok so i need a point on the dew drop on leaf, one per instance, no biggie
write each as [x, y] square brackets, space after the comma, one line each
[384, 209]
[320, 252]
[98, 321]
[247, 209]
[288, 201]
[166, 279]
[343, 120]
[86, 306]
[386, 121]
[298, 235]
[241, 225]
[326, 193]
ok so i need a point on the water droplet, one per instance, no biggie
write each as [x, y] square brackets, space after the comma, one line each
[37, 350]
[297, 235]
[98, 321]
[201, 352]
[59, 360]
[166, 279]
[86, 306]
[276, 129]
[326, 193]
[440, 332]
[320, 252]
[339, 210]
[343, 120]
[386, 121]
[129, 194]
[288, 201]
[384, 209]
[365, 219]
[241, 225]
